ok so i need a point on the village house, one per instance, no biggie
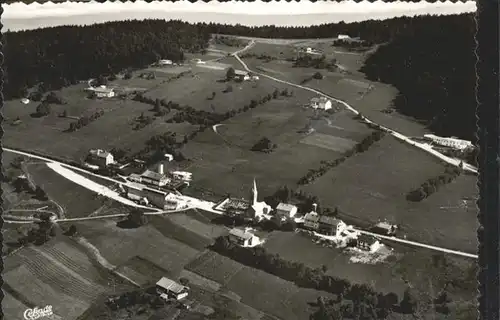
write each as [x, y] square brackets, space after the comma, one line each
[240, 75]
[102, 92]
[311, 221]
[367, 243]
[385, 228]
[182, 175]
[100, 158]
[286, 210]
[158, 198]
[331, 226]
[158, 179]
[343, 37]
[164, 62]
[321, 103]
[169, 289]
[243, 238]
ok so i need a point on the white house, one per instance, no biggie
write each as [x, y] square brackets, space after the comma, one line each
[255, 78]
[367, 243]
[164, 62]
[25, 100]
[385, 228]
[102, 92]
[343, 37]
[170, 289]
[286, 210]
[309, 50]
[243, 238]
[321, 103]
[449, 142]
[331, 226]
[100, 158]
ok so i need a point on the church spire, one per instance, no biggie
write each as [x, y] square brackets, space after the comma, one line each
[254, 191]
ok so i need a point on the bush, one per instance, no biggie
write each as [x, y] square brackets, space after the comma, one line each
[264, 145]
[43, 109]
[318, 76]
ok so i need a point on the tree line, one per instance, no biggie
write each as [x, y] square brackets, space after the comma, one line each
[34, 57]
[326, 165]
[432, 185]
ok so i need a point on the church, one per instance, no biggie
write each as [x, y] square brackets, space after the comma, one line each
[257, 209]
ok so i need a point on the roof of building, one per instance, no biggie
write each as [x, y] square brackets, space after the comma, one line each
[101, 89]
[383, 225]
[170, 285]
[311, 216]
[319, 99]
[133, 185]
[330, 221]
[153, 175]
[240, 73]
[285, 206]
[99, 153]
[243, 234]
[364, 238]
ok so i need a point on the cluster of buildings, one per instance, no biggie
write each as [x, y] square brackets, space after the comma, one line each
[454, 143]
[338, 231]
[240, 75]
[321, 103]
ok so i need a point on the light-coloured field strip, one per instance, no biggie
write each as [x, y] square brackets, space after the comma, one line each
[200, 280]
[40, 293]
[326, 141]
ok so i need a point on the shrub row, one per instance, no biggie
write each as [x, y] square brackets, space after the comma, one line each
[360, 147]
[433, 184]
[85, 121]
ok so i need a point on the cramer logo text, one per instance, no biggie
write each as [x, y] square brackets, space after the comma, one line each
[37, 313]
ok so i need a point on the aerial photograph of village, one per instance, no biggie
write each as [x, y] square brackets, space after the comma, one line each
[162, 168]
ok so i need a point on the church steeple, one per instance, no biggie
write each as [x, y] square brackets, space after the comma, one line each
[254, 192]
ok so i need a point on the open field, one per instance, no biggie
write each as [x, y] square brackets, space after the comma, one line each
[75, 200]
[196, 90]
[215, 267]
[256, 288]
[119, 245]
[206, 230]
[142, 271]
[179, 232]
[57, 274]
[373, 185]
[11, 307]
[227, 153]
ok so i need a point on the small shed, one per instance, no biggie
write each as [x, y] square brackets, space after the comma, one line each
[171, 289]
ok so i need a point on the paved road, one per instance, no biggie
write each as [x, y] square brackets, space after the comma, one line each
[418, 244]
[396, 134]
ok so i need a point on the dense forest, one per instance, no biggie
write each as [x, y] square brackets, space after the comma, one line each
[64, 55]
[433, 69]
[429, 59]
